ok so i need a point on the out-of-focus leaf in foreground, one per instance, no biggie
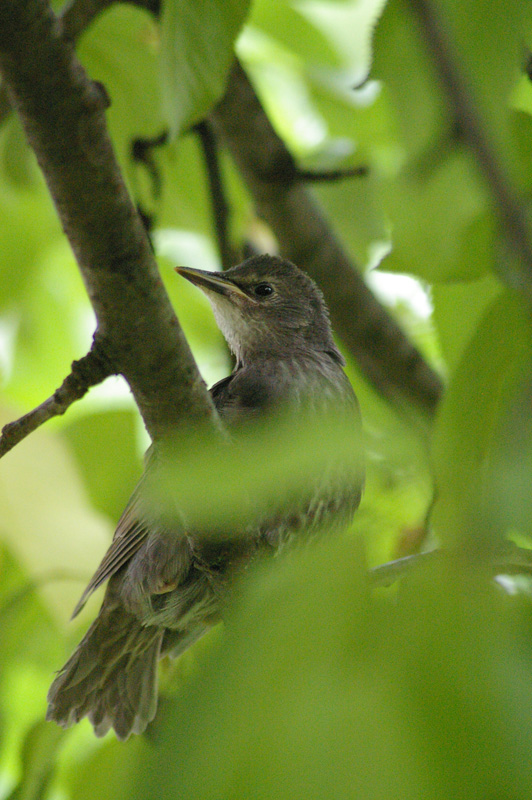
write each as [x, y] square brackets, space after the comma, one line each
[322, 690]
[469, 423]
[223, 487]
[38, 753]
[46, 520]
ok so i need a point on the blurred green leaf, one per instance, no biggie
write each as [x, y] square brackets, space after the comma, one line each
[110, 771]
[23, 617]
[415, 91]
[184, 203]
[54, 324]
[464, 302]
[105, 446]
[487, 50]
[320, 690]
[476, 402]
[197, 51]
[281, 85]
[458, 231]
[286, 22]
[38, 754]
[452, 242]
[266, 466]
[46, 519]
[21, 248]
[511, 502]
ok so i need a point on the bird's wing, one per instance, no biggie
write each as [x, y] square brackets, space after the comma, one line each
[134, 527]
[131, 531]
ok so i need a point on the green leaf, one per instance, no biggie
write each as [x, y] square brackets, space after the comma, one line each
[486, 49]
[512, 462]
[54, 325]
[471, 413]
[109, 772]
[23, 619]
[38, 754]
[22, 245]
[197, 39]
[442, 230]
[321, 690]
[121, 49]
[288, 25]
[105, 445]
[415, 90]
[458, 310]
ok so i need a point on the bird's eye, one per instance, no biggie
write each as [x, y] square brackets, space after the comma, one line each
[263, 289]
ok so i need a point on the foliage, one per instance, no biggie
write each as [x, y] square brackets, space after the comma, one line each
[321, 686]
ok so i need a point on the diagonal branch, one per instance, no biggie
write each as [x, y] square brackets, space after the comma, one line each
[385, 355]
[62, 112]
[75, 17]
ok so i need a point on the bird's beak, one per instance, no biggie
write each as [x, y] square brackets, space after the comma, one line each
[211, 281]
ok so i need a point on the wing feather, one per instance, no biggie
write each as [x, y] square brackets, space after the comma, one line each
[131, 532]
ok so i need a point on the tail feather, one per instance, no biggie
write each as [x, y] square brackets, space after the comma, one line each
[111, 677]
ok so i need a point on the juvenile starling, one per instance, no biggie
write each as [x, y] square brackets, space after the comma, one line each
[166, 583]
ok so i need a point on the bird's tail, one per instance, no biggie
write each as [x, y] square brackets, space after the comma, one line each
[111, 677]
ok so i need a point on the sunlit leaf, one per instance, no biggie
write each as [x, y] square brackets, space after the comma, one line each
[197, 41]
[121, 49]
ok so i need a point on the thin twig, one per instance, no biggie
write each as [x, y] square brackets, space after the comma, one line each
[142, 153]
[332, 175]
[386, 574]
[90, 370]
[220, 206]
[509, 560]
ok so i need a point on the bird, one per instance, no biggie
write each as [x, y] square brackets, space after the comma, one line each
[167, 584]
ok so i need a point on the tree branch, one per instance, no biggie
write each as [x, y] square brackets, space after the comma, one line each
[75, 17]
[62, 112]
[220, 207]
[332, 175]
[90, 370]
[510, 208]
[510, 560]
[385, 355]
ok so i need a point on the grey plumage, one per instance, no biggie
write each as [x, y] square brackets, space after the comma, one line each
[166, 584]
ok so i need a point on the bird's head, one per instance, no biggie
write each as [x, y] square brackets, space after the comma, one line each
[267, 307]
